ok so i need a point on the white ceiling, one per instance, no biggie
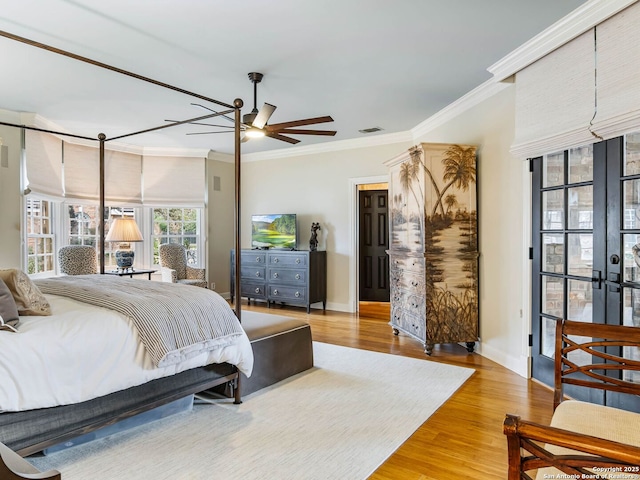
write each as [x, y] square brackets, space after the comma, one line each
[376, 63]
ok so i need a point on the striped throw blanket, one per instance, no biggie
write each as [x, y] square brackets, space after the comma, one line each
[175, 322]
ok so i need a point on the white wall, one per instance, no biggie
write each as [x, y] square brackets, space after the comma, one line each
[220, 236]
[318, 188]
[10, 195]
[503, 232]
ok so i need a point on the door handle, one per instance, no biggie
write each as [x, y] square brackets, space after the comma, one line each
[614, 282]
[596, 279]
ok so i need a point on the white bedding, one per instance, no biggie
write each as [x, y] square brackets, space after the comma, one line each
[82, 352]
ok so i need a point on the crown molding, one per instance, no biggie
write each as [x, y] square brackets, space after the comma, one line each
[37, 120]
[175, 152]
[564, 30]
[461, 105]
[221, 157]
[339, 145]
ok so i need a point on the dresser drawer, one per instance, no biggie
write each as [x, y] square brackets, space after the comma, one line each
[253, 290]
[252, 272]
[252, 258]
[409, 323]
[287, 276]
[288, 259]
[284, 293]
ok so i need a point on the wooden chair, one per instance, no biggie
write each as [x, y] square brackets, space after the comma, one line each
[584, 440]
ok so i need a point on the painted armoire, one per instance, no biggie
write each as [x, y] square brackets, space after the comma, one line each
[433, 244]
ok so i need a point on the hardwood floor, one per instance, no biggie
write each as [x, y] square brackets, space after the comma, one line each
[463, 439]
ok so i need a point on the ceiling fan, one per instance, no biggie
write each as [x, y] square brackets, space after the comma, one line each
[254, 124]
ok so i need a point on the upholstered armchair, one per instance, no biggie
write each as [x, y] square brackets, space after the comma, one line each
[174, 268]
[78, 260]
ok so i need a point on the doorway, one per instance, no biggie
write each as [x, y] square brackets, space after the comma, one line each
[373, 243]
[586, 247]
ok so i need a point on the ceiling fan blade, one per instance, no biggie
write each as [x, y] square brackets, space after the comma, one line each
[203, 133]
[205, 124]
[298, 123]
[277, 136]
[291, 131]
[214, 111]
[264, 115]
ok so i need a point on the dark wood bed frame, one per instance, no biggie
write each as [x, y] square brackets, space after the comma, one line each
[65, 422]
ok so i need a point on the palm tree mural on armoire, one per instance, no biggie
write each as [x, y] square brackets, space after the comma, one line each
[434, 244]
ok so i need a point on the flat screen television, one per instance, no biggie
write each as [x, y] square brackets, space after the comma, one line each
[274, 231]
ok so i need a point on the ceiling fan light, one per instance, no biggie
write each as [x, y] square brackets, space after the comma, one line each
[253, 132]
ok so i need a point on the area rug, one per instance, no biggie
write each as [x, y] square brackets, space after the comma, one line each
[339, 420]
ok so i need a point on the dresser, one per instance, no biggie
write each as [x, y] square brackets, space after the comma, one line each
[433, 244]
[293, 277]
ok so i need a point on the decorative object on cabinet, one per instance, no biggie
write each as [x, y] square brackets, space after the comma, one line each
[433, 249]
[313, 241]
[290, 277]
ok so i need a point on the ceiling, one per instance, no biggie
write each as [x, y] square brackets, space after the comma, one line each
[367, 64]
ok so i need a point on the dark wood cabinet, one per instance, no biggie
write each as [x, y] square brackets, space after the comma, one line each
[290, 277]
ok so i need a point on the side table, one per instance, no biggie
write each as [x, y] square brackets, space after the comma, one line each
[130, 273]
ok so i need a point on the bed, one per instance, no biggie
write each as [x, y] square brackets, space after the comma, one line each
[55, 387]
[28, 427]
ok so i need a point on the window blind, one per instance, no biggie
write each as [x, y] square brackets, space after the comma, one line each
[123, 174]
[43, 160]
[81, 172]
[593, 77]
[123, 177]
[555, 98]
[175, 181]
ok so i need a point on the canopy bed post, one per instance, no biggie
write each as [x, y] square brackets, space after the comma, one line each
[238, 103]
[102, 138]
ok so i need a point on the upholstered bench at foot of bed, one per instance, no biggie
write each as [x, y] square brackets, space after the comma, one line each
[282, 347]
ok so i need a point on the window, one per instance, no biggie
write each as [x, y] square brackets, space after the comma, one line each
[83, 225]
[178, 225]
[40, 236]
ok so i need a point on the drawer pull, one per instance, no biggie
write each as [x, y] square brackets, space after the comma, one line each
[297, 276]
[275, 275]
[275, 292]
[275, 260]
[257, 289]
[258, 274]
[258, 259]
[297, 260]
[297, 294]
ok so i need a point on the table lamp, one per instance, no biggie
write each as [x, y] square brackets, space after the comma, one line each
[124, 230]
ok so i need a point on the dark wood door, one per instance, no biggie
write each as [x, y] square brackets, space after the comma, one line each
[374, 242]
[586, 246]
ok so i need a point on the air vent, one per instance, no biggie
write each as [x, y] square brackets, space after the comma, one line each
[371, 130]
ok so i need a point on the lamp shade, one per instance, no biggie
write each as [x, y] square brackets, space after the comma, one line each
[124, 229]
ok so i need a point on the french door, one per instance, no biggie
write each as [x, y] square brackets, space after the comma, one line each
[586, 248]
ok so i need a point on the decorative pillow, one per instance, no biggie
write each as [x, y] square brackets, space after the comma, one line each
[8, 311]
[27, 296]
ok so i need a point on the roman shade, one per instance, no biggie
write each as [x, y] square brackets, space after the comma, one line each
[176, 181]
[43, 162]
[591, 78]
[123, 174]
